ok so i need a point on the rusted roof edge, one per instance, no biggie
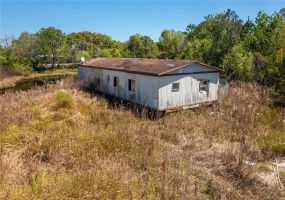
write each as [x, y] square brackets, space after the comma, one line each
[122, 70]
[161, 74]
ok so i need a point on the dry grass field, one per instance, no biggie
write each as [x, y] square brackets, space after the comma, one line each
[58, 143]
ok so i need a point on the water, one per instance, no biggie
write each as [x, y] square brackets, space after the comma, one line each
[27, 85]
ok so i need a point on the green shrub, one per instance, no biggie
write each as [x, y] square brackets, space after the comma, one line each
[22, 69]
[63, 100]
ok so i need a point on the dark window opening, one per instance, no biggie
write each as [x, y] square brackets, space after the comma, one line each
[116, 81]
[132, 85]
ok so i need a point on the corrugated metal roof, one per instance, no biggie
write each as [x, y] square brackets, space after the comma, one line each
[156, 67]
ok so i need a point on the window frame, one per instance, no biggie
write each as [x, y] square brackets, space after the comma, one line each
[131, 85]
[116, 82]
[204, 87]
[175, 87]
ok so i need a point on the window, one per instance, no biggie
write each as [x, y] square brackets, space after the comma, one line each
[108, 77]
[132, 85]
[203, 85]
[175, 87]
[97, 83]
[116, 82]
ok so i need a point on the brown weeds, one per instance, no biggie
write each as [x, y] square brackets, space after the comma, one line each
[58, 143]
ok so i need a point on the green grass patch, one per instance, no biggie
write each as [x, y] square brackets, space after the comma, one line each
[63, 100]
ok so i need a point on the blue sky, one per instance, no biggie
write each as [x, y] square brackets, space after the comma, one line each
[120, 19]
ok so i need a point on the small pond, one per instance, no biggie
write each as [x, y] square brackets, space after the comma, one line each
[26, 85]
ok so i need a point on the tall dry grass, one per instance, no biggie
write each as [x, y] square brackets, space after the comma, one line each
[58, 143]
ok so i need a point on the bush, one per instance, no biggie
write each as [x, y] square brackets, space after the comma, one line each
[22, 69]
[63, 100]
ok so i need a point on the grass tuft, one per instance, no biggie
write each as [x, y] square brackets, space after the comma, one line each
[63, 100]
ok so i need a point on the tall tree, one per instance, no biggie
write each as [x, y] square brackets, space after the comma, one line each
[135, 46]
[223, 29]
[276, 68]
[6, 42]
[29, 46]
[94, 43]
[70, 49]
[8, 56]
[265, 44]
[51, 41]
[197, 49]
[171, 43]
[238, 64]
[149, 49]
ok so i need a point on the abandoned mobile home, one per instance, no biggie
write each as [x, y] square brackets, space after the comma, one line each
[156, 83]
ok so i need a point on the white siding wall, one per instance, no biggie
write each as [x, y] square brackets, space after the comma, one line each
[156, 92]
[188, 94]
[146, 87]
[89, 74]
[195, 67]
[83, 72]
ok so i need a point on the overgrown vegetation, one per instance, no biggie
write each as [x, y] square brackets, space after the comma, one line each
[58, 143]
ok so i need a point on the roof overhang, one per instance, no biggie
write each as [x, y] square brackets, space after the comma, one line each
[144, 69]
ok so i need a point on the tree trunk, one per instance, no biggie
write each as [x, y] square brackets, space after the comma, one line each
[53, 61]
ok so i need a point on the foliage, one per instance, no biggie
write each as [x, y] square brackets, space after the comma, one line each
[171, 43]
[50, 41]
[222, 29]
[63, 100]
[28, 48]
[22, 69]
[135, 46]
[85, 54]
[142, 47]
[149, 48]
[197, 49]
[105, 53]
[238, 64]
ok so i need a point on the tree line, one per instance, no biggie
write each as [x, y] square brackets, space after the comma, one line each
[253, 50]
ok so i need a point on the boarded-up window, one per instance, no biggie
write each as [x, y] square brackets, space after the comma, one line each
[203, 86]
[132, 85]
[116, 82]
[175, 87]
